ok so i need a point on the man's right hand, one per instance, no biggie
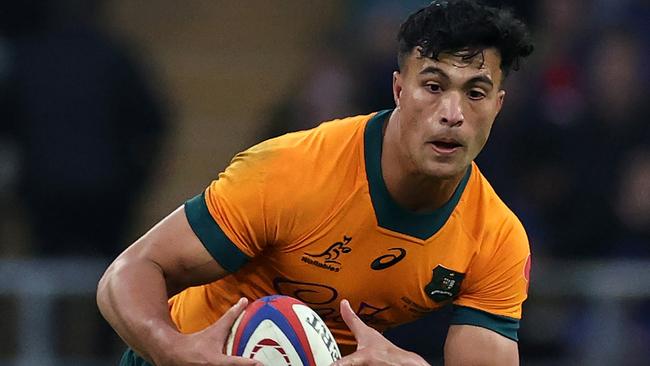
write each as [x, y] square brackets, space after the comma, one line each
[207, 347]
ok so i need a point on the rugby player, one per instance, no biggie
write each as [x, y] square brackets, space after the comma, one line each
[373, 220]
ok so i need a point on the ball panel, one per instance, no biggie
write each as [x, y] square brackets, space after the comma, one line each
[269, 345]
[284, 305]
[280, 330]
[268, 311]
[244, 318]
[321, 340]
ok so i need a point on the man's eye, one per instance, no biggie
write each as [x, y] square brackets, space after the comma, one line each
[476, 94]
[434, 87]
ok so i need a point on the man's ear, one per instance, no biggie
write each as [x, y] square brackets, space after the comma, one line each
[397, 87]
[501, 95]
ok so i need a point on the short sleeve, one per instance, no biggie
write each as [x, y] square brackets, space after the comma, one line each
[230, 217]
[497, 283]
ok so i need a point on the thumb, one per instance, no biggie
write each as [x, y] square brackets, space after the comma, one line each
[221, 329]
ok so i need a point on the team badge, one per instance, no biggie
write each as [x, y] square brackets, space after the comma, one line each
[329, 259]
[444, 285]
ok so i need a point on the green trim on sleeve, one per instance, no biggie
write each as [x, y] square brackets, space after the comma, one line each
[222, 249]
[130, 358]
[503, 325]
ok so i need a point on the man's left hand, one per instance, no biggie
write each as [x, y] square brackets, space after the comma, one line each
[372, 348]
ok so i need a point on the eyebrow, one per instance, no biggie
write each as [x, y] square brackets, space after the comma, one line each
[476, 79]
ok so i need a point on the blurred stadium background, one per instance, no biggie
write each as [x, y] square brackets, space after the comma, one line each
[114, 112]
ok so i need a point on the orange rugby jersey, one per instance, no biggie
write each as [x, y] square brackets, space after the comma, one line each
[308, 215]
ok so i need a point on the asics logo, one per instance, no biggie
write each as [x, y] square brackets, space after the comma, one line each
[387, 260]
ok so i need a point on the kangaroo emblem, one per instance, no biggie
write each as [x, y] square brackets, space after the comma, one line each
[334, 251]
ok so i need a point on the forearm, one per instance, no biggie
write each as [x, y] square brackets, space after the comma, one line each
[133, 299]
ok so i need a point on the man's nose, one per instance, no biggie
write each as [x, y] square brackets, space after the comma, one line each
[451, 112]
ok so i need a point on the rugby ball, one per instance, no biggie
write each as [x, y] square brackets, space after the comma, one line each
[282, 331]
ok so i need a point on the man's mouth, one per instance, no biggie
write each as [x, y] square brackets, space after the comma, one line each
[446, 146]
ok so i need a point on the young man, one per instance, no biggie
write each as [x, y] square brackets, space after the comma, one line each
[385, 215]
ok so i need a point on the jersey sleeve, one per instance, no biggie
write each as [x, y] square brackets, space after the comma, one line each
[231, 217]
[497, 283]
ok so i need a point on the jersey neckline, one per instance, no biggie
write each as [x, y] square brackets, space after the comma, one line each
[388, 213]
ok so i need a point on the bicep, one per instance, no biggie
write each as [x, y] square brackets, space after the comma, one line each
[175, 249]
[469, 345]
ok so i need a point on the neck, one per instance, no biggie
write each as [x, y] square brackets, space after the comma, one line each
[410, 188]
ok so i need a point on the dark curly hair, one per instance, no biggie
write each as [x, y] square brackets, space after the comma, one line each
[465, 28]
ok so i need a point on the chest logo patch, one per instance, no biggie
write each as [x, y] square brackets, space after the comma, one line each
[444, 285]
[387, 260]
[329, 258]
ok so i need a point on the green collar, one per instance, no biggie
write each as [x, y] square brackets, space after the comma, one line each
[389, 214]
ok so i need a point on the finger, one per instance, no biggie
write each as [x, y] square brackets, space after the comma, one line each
[223, 325]
[356, 325]
[243, 361]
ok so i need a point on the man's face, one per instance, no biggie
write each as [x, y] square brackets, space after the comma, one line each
[446, 110]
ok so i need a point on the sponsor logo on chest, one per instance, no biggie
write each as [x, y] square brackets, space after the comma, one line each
[388, 260]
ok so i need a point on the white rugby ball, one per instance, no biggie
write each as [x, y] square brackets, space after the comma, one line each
[282, 331]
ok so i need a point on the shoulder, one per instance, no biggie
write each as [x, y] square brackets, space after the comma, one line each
[299, 177]
[297, 154]
[487, 218]
[327, 135]
[496, 281]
